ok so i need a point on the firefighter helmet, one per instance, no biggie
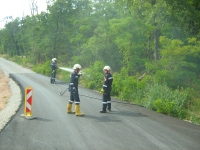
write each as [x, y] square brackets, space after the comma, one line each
[107, 68]
[54, 59]
[77, 66]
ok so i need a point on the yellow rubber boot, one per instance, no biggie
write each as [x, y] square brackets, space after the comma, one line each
[77, 109]
[69, 109]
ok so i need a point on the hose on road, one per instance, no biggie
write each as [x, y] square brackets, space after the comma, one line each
[63, 92]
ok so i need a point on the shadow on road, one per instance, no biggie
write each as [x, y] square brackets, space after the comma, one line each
[109, 118]
[128, 113]
[43, 119]
[103, 118]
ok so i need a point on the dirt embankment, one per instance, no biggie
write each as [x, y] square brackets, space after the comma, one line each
[5, 92]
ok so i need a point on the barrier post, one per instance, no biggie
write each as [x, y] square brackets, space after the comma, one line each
[28, 101]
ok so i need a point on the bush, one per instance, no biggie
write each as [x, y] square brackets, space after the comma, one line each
[93, 76]
[129, 88]
[194, 119]
[43, 68]
[164, 100]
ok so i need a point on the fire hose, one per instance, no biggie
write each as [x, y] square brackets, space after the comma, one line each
[63, 92]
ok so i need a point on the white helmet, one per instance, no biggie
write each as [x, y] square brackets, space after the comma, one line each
[54, 59]
[77, 66]
[107, 68]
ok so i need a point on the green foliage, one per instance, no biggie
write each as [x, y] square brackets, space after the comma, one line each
[128, 88]
[169, 108]
[23, 61]
[193, 107]
[93, 76]
[178, 65]
[43, 68]
[129, 34]
[123, 84]
[194, 118]
[165, 100]
[164, 107]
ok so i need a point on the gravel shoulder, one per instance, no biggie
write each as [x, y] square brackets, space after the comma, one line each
[5, 91]
[10, 98]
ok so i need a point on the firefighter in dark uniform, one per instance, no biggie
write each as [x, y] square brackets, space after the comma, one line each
[53, 70]
[73, 89]
[106, 90]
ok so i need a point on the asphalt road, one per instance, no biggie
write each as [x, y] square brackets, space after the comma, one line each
[127, 127]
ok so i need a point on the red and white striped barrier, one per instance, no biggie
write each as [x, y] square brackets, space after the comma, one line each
[28, 101]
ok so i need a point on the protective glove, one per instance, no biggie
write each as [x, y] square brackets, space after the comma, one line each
[102, 91]
[80, 73]
[74, 90]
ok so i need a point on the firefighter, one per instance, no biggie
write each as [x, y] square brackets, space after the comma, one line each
[107, 87]
[53, 70]
[73, 89]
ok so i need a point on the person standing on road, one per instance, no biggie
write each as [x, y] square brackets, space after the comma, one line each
[73, 89]
[106, 90]
[53, 70]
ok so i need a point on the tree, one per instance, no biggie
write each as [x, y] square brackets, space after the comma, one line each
[187, 12]
[10, 40]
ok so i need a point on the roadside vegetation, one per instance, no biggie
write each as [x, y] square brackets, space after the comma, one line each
[180, 102]
[153, 48]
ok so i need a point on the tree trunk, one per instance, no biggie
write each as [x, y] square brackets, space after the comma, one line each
[148, 49]
[156, 36]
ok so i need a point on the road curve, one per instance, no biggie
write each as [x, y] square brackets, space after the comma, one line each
[127, 127]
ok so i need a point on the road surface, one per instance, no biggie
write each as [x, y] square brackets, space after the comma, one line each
[127, 127]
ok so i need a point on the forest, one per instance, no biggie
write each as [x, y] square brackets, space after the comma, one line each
[152, 47]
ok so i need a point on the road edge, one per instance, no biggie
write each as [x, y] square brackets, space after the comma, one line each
[13, 104]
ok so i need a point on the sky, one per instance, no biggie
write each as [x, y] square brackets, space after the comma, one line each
[16, 8]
